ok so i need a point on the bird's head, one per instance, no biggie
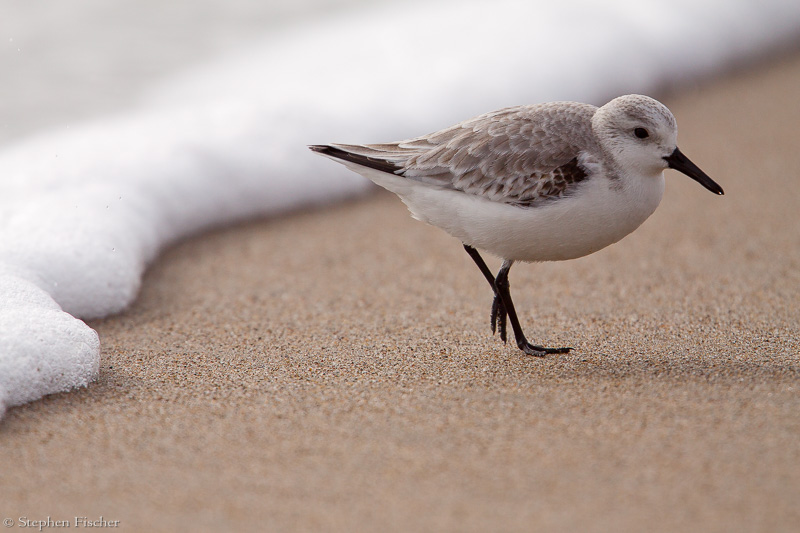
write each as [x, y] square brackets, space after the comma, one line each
[641, 134]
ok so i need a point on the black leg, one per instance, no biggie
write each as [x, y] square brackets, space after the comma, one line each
[502, 290]
[473, 253]
[498, 316]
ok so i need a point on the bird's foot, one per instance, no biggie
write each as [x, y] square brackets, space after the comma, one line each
[499, 315]
[539, 351]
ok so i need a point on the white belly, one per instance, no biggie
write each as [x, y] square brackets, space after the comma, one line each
[600, 213]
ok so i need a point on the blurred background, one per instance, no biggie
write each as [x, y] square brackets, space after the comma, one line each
[63, 61]
[678, 411]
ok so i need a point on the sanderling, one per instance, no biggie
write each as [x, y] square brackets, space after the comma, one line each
[544, 182]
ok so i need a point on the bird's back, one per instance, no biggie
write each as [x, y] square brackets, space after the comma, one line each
[518, 155]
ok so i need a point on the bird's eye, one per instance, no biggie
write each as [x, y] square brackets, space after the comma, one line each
[641, 133]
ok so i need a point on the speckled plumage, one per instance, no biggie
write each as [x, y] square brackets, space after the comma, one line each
[518, 155]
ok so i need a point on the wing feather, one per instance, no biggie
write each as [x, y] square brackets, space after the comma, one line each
[519, 155]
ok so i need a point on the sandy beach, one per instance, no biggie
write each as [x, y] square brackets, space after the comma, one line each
[333, 370]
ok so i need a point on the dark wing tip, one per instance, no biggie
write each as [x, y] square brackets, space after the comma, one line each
[344, 155]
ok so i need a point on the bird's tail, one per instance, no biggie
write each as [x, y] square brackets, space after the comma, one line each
[387, 158]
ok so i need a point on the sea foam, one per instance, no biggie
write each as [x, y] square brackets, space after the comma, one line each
[84, 210]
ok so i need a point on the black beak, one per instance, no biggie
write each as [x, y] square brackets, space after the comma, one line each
[681, 163]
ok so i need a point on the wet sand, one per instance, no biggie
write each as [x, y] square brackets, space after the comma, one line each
[334, 370]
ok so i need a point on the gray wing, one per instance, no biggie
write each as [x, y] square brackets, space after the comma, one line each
[517, 155]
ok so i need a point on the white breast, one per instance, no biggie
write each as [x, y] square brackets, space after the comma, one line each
[599, 213]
